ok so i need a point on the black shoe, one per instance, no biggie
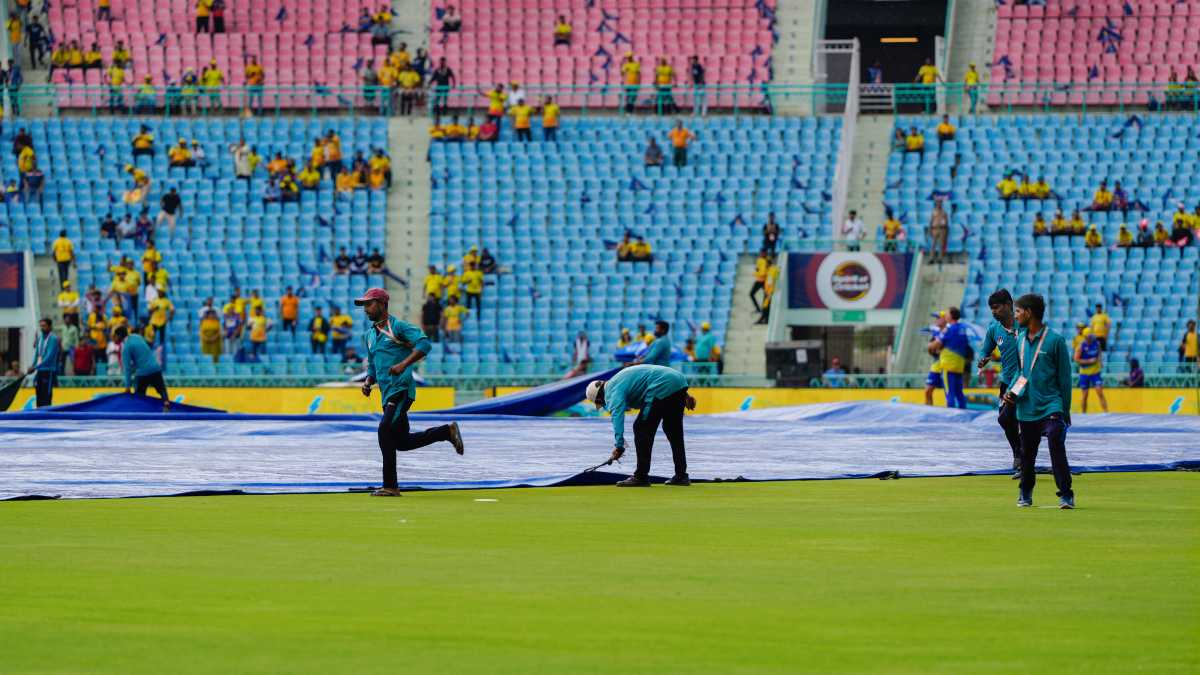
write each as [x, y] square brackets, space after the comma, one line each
[634, 481]
[680, 479]
[456, 438]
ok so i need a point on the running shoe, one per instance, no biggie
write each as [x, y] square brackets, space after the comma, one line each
[680, 480]
[634, 481]
[1066, 502]
[387, 492]
[1024, 500]
[456, 438]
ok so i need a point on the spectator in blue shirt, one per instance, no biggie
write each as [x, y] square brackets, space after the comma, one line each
[836, 375]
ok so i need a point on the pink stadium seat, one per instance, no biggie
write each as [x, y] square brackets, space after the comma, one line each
[1060, 41]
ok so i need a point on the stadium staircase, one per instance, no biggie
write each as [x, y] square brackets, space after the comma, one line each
[744, 339]
[974, 37]
[48, 286]
[408, 212]
[938, 286]
[868, 173]
[792, 54]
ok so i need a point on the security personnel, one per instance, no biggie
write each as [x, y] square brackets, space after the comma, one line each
[1002, 333]
[661, 395]
[393, 348]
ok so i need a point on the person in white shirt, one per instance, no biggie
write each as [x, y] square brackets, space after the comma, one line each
[241, 160]
[516, 95]
[852, 231]
[206, 308]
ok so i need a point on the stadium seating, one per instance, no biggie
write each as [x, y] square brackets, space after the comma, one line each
[234, 240]
[502, 42]
[1150, 293]
[1095, 42]
[553, 212]
[296, 43]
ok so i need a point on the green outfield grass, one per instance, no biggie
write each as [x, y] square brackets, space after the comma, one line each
[909, 576]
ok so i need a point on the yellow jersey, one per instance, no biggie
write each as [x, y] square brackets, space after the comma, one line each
[258, 328]
[663, 75]
[632, 70]
[550, 115]
[1099, 324]
[453, 315]
[473, 281]
[521, 114]
[159, 311]
[1190, 345]
[927, 74]
[433, 285]
[63, 249]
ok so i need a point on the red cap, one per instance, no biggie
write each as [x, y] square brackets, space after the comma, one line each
[372, 294]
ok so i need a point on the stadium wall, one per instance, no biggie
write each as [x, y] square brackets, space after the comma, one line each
[265, 400]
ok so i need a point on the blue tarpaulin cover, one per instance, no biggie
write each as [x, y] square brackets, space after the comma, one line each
[89, 454]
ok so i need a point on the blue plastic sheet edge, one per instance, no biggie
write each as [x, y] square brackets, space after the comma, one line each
[601, 478]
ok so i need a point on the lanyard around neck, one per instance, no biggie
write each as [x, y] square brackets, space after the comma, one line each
[1037, 352]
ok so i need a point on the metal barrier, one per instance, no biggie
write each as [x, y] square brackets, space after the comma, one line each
[1052, 97]
[175, 100]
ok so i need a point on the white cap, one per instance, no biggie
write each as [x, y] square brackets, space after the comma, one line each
[593, 388]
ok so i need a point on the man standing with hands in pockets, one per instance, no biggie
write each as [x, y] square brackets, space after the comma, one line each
[393, 348]
[1042, 395]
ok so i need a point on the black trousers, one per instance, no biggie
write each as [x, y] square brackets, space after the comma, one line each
[394, 436]
[668, 411]
[476, 300]
[154, 381]
[44, 387]
[1055, 431]
[758, 286]
[64, 272]
[1012, 429]
[290, 325]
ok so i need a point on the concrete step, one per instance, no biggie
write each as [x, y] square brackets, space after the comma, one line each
[408, 212]
[745, 341]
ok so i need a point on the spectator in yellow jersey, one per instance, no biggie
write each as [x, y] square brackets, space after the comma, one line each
[550, 111]
[277, 166]
[1093, 239]
[203, 15]
[1100, 324]
[1124, 237]
[380, 166]
[664, 80]
[625, 339]
[450, 282]
[68, 299]
[641, 251]
[971, 86]
[289, 191]
[140, 186]
[562, 31]
[472, 281]
[210, 335]
[625, 248]
[945, 131]
[454, 132]
[255, 78]
[180, 156]
[893, 232]
[410, 89]
[914, 141]
[452, 320]
[1008, 187]
[1161, 236]
[1039, 225]
[769, 290]
[162, 311]
[1102, 199]
[496, 100]
[472, 130]
[1026, 187]
[928, 76]
[151, 258]
[522, 114]
[631, 75]
[345, 182]
[211, 78]
[340, 324]
[74, 55]
[1181, 218]
[1189, 346]
[333, 151]
[310, 177]
[1079, 328]
[761, 264]
[120, 55]
[318, 332]
[1040, 189]
[1077, 224]
[64, 255]
[433, 283]
[471, 257]
[92, 58]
